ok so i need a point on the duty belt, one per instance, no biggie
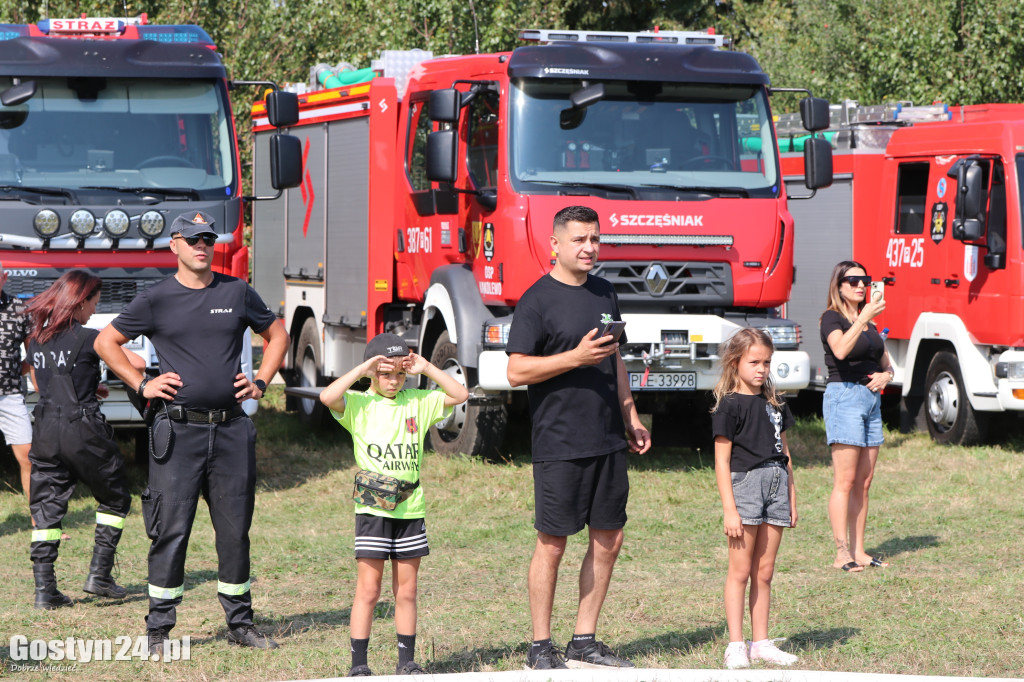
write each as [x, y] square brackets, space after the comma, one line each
[70, 412]
[179, 413]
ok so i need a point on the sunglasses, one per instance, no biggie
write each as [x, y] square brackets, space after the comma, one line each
[854, 280]
[208, 239]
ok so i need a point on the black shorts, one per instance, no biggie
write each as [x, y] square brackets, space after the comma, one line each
[571, 494]
[380, 537]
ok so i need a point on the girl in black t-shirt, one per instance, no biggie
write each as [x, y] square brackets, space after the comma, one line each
[755, 481]
[859, 370]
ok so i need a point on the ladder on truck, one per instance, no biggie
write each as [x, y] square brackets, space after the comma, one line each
[854, 125]
[708, 37]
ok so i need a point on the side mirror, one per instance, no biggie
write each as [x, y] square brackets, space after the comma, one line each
[285, 161]
[442, 150]
[817, 162]
[969, 218]
[814, 113]
[445, 105]
[282, 108]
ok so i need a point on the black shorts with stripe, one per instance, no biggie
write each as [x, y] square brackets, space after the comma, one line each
[380, 537]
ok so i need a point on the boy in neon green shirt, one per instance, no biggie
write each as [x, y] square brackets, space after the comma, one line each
[388, 426]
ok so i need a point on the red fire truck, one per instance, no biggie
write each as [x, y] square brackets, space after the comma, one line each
[109, 130]
[929, 200]
[429, 192]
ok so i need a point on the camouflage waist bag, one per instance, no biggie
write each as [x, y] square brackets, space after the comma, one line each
[380, 491]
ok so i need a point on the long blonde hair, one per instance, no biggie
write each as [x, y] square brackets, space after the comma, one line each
[835, 299]
[731, 352]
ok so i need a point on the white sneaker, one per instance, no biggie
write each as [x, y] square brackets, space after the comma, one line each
[766, 651]
[736, 656]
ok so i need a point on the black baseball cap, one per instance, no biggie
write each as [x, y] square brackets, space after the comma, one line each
[386, 344]
[193, 224]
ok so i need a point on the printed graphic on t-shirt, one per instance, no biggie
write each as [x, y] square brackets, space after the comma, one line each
[775, 416]
[14, 327]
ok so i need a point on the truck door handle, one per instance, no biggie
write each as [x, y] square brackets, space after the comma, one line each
[952, 283]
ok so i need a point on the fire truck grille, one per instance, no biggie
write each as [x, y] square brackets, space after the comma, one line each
[116, 293]
[679, 283]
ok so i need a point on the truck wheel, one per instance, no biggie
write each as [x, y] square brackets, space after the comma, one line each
[951, 419]
[307, 364]
[473, 428]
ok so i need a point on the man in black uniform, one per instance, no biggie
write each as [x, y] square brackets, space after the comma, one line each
[203, 441]
[582, 413]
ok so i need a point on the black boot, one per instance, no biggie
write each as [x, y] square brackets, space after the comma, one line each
[47, 594]
[99, 581]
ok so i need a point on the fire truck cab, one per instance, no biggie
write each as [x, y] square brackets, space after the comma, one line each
[929, 200]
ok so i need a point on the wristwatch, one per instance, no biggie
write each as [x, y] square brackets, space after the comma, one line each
[260, 384]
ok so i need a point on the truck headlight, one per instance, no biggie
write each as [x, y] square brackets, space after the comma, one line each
[1010, 370]
[784, 337]
[83, 222]
[46, 223]
[496, 334]
[116, 223]
[151, 224]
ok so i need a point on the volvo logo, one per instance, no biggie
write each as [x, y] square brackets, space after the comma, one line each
[656, 279]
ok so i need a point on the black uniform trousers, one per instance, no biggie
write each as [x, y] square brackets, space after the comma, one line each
[71, 444]
[219, 462]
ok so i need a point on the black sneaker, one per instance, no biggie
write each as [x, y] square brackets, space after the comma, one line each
[247, 635]
[360, 671]
[156, 642]
[410, 668]
[549, 658]
[594, 655]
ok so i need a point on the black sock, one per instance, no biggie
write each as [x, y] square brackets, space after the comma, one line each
[359, 647]
[580, 642]
[541, 644]
[406, 649]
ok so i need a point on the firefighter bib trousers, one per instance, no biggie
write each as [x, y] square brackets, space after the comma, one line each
[71, 443]
[218, 461]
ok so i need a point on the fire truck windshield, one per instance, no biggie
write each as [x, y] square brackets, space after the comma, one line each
[658, 138]
[130, 135]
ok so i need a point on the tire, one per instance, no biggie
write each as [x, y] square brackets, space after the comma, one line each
[474, 428]
[307, 374]
[951, 419]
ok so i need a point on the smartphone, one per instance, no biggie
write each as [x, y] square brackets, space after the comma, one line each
[877, 291]
[614, 328]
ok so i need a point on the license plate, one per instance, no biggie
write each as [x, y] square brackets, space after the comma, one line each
[663, 381]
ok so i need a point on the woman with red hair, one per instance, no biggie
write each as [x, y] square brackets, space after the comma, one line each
[71, 440]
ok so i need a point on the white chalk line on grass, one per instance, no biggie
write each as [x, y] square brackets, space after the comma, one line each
[663, 675]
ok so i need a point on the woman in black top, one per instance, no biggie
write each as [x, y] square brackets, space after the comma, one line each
[858, 371]
[71, 441]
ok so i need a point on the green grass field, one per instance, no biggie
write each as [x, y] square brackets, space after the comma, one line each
[949, 520]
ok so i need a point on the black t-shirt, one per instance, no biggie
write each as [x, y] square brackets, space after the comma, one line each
[864, 359]
[577, 413]
[198, 334]
[755, 428]
[85, 375]
[14, 328]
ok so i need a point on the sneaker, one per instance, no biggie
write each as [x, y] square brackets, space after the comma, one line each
[247, 635]
[736, 656]
[410, 668]
[594, 655]
[360, 671]
[156, 642]
[766, 651]
[550, 658]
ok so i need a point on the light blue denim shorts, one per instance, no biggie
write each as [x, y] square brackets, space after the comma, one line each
[762, 495]
[853, 414]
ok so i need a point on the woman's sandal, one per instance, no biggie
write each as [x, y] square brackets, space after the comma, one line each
[852, 566]
[877, 563]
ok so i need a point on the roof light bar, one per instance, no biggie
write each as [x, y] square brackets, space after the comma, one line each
[708, 37]
[667, 239]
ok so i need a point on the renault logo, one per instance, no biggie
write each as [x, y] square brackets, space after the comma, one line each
[656, 279]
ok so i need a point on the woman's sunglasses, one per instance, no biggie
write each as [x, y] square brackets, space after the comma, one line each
[854, 280]
[208, 239]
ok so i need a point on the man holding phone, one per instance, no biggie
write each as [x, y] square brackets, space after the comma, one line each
[584, 422]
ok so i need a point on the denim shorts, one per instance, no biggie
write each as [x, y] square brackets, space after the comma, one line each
[14, 420]
[762, 495]
[853, 414]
